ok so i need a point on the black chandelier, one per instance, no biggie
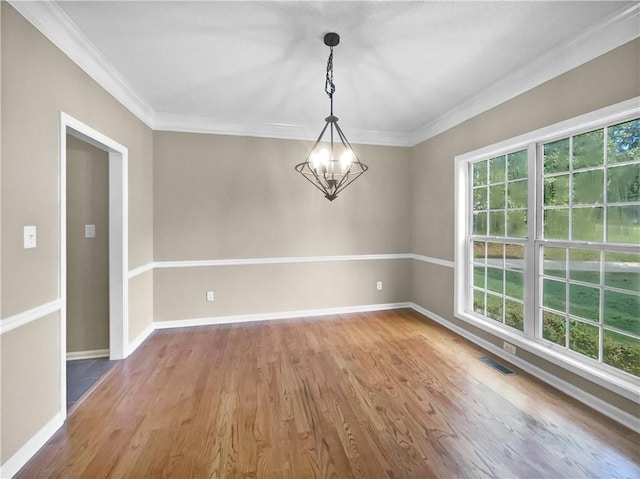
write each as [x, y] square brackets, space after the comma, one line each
[331, 167]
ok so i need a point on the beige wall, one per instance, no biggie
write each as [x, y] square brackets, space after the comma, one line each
[225, 197]
[38, 82]
[30, 371]
[276, 288]
[87, 258]
[604, 81]
[237, 197]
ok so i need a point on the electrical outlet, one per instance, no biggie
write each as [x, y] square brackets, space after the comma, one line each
[89, 231]
[508, 347]
[379, 285]
[30, 236]
[210, 296]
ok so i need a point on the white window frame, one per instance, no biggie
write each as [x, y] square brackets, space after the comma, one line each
[620, 383]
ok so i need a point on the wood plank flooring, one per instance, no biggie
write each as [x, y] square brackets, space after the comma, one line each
[375, 395]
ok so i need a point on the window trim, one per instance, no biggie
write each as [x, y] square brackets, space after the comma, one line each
[622, 385]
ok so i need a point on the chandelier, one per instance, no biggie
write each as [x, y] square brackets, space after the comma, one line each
[332, 164]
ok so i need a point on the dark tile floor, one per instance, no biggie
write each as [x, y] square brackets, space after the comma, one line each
[82, 374]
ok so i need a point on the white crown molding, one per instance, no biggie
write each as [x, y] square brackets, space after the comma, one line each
[193, 124]
[612, 32]
[56, 25]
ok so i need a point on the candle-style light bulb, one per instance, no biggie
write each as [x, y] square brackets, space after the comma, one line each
[346, 159]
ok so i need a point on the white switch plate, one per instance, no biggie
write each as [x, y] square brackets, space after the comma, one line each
[379, 285]
[89, 231]
[210, 296]
[30, 237]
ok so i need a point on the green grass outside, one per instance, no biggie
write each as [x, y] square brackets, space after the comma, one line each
[621, 311]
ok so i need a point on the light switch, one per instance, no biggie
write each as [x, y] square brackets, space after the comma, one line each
[29, 237]
[89, 231]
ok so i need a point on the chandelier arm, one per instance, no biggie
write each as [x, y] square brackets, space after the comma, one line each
[300, 167]
[346, 142]
[316, 184]
[326, 124]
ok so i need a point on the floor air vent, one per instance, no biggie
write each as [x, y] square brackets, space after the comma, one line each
[496, 365]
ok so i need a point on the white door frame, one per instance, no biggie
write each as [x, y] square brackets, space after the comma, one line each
[118, 241]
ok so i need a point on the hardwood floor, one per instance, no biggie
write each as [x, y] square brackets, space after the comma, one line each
[372, 395]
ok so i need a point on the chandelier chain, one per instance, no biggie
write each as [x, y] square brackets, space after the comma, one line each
[329, 86]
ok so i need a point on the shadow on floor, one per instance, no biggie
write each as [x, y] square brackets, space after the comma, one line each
[82, 374]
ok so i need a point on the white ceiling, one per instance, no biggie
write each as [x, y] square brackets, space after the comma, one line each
[403, 70]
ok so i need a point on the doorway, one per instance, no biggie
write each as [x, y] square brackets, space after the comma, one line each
[87, 268]
[114, 232]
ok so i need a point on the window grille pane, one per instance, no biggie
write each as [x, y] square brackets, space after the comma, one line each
[480, 224]
[480, 173]
[624, 142]
[621, 352]
[514, 284]
[496, 197]
[583, 338]
[622, 270]
[514, 314]
[517, 194]
[623, 224]
[588, 224]
[556, 156]
[494, 280]
[622, 311]
[584, 265]
[556, 190]
[496, 170]
[588, 187]
[494, 307]
[517, 165]
[479, 276]
[588, 149]
[478, 301]
[517, 223]
[554, 327]
[623, 183]
[479, 251]
[480, 198]
[584, 302]
[554, 295]
[554, 262]
[496, 223]
[556, 224]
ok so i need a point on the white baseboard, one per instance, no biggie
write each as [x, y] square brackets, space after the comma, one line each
[273, 316]
[609, 410]
[96, 353]
[142, 337]
[26, 452]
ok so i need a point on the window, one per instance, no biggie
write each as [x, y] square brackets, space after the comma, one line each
[497, 239]
[548, 240]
